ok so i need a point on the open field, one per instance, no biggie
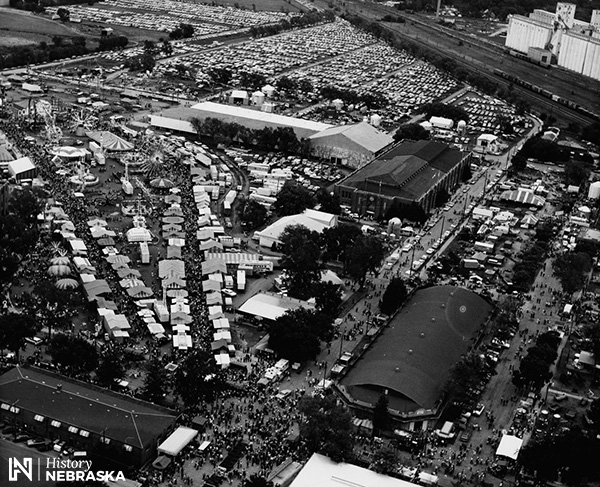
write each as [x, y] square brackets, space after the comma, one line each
[18, 28]
[24, 22]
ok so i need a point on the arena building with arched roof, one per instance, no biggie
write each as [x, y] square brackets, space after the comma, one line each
[411, 358]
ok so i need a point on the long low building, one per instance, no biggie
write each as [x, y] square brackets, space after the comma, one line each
[410, 173]
[410, 360]
[251, 118]
[266, 307]
[104, 424]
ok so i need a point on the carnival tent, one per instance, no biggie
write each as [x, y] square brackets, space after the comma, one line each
[109, 141]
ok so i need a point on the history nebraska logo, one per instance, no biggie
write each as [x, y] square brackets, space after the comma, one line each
[57, 470]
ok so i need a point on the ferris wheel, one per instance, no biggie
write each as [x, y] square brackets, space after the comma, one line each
[52, 133]
[83, 119]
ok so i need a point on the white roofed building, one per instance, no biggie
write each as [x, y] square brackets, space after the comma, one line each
[22, 168]
[316, 221]
[321, 471]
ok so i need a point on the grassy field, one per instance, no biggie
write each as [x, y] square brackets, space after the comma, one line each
[20, 28]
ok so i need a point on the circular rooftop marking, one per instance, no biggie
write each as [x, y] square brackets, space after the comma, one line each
[463, 309]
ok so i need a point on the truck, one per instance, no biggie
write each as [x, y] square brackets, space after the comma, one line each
[241, 280]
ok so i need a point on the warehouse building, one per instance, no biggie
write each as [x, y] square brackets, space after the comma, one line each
[104, 424]
[350, 145]
[411, 358]
[410, 173]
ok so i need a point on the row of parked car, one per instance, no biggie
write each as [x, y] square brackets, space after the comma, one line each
[32, 441]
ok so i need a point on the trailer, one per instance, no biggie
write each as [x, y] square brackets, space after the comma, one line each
[241, 280]
[144, 252]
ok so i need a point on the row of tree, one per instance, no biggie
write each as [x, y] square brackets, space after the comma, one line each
[281, 139]
[60, 49]
[295, 22]
[18, 231]
[526, 269]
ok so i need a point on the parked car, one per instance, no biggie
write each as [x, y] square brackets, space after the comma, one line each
[20, 438]
[465, 436]
[37, 442]
[478, 410]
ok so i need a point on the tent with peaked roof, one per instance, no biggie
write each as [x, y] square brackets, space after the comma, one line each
[109, 141]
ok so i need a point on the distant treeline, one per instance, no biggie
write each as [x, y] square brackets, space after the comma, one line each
[295, 22]
[40, 5]
[502, 8]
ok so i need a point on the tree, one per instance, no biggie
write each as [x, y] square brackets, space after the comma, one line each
[337, 240]
[518, 163]
[111, 367]
[73, 353]
[297, 334]
[437, 109]
[411, 131]
[301, 260]
[63, 13]
[256, 480]
[155, 384]
[394, 296]
[197, 378]
[576, 172]
[466, 174]
[326, 427]
[293, 199]
[187, 30]
[330, 203]
[167, 48]
[442, 197]
[25, 205]
[381, 414]
[328, 298]
[571, 269]
[364, 256]
[594, 413]
[56, 305]
[14, 328]
[385, 460]
[253, 214]
[413, 212]
[465, 375]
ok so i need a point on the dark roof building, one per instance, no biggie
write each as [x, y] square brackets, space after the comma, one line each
[410, 173]
[411, 358]
[113, 426]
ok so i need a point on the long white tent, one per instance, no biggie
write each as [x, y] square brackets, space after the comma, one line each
[178, 440]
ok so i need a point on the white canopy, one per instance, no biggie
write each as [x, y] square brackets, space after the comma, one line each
[178, 440]
[509, 447]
